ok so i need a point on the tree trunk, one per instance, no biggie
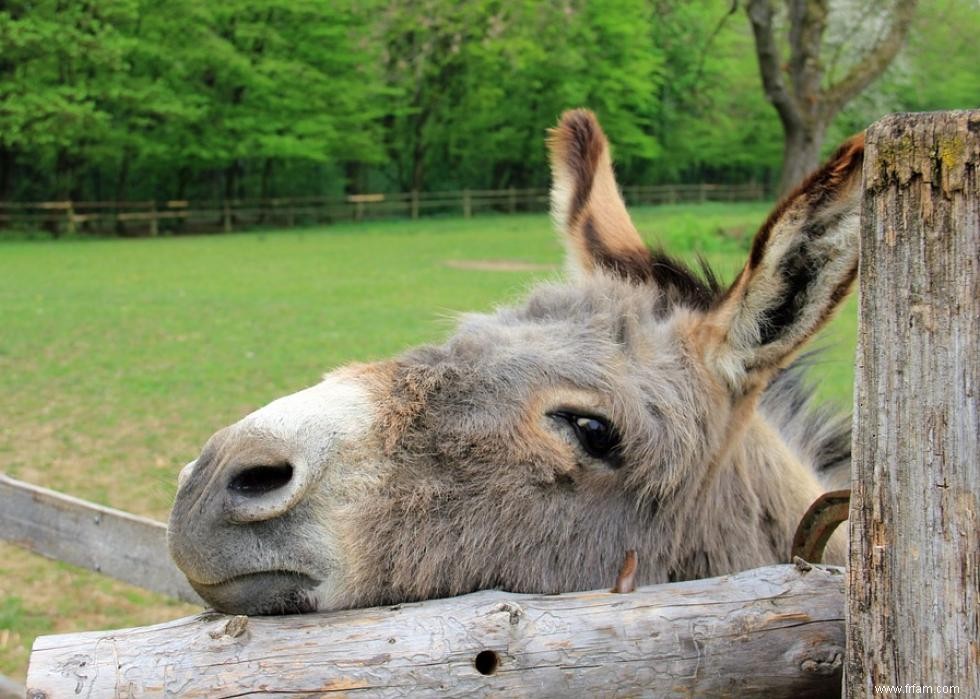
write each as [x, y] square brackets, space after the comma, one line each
[265, 190]
[64, 175]
[418, 168]
[265, 185]
[795, 88]
[183, 180]
[232, 174]
[122, 182]
[230, 181]
[353, 177]
[914, 578]
[122, 177]
[801, 153]
[7, 163]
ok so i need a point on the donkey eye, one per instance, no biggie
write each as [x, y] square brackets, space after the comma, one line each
[598, 438]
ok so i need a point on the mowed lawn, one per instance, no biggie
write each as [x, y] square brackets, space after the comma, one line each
[118, 358]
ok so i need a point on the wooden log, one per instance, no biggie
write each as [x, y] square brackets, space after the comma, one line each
[914, 595]
[123, 546]
[770, 632]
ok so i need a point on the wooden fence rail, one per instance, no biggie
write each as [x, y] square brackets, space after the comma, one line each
[774, 631]
[115, 543]
[150, 218]
[771, 632]
[10, 689]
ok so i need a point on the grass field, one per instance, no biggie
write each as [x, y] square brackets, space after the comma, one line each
[118, 358]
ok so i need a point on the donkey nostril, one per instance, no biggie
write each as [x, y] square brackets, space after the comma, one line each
[259, 480]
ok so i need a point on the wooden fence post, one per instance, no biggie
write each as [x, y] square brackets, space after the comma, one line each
[226, 216]
[70, 227]
[913, 597]
[415, 203]
[154, 223]
[467, 204]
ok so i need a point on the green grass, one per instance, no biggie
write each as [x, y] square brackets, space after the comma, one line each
[118, 358]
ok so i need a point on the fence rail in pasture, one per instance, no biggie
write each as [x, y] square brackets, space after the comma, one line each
[151, 218]
[776, 632]
[121, 545]
[10, 689]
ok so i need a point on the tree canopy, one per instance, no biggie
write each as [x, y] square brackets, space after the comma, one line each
[126, 99]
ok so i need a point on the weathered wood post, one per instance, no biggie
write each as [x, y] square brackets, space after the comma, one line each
[415, 203]
[70, 227]
[913, 597]
[467, 204]
[154, 223]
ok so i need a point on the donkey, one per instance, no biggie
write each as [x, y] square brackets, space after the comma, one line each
[636, 405]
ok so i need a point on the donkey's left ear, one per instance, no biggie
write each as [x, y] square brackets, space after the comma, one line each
[585, 201]
[802, 265]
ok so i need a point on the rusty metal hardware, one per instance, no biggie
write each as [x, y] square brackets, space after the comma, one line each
[819, 523]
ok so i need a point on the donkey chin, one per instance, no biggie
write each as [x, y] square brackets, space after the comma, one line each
[271, 592]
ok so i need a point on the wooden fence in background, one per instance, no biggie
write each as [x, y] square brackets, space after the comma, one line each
[151, 218]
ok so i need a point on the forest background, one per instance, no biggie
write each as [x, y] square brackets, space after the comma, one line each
[139, 99]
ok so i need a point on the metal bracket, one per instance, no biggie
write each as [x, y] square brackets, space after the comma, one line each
[819, 523]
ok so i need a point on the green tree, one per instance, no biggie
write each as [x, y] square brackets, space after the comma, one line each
[479, 83]
[58, 84]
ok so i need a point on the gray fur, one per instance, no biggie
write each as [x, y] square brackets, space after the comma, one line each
[491, 509]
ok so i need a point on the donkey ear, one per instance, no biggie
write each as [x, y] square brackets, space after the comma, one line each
[585, 201]
[803, 263]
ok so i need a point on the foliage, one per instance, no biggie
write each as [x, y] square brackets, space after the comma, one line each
[133, 99]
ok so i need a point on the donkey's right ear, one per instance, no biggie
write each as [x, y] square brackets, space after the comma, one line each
[585, 202]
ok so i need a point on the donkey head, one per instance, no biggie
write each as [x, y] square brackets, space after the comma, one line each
[635, 406]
